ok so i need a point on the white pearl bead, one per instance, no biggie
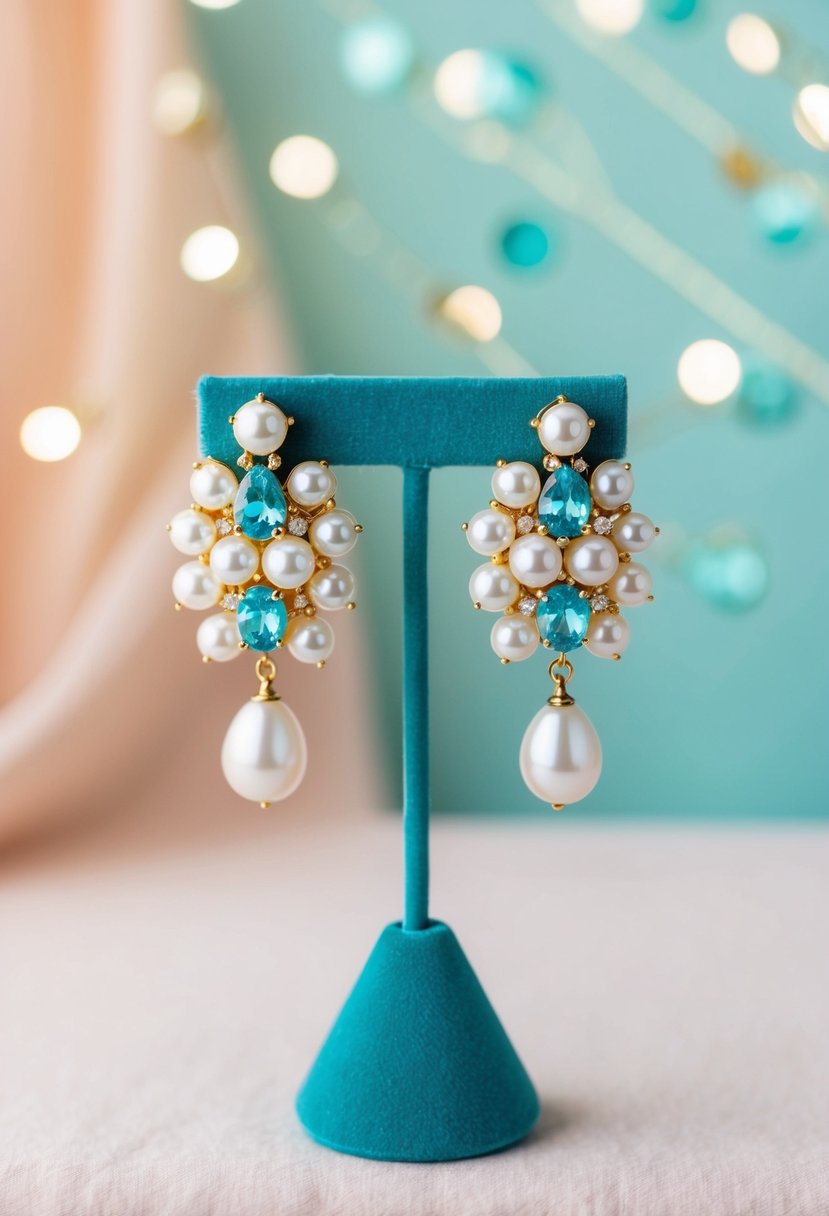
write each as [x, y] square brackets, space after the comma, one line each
[260, 427]
[234, 560]
[334, 534]
[608, 634]
[493, 587]
[514, 637]
[213, 485]
[516, 485]
[561, 756]
[310, 639]
[264, 754]
[633, 532]
[611, 485]
[332, 588]
[591, 560]
[288, 562]
[195, 586]
[217, 637]
[564, 428]
[490, 531]
[192, 532]
[311, 484]
[632, 585]
[535, 560]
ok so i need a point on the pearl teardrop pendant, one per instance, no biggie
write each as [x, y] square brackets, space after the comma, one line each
[561, 756]
[264, 754]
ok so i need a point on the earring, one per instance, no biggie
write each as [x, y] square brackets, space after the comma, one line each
[560, 570]
[268, 555]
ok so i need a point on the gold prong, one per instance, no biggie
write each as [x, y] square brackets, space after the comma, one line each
[194, 506]
[505, 662]
[650, 599]
[260, 396]
[509, 610]
[359, 528]
[232, 419]
[591, 422]
[177, 606]
[476, 605]
[500, 463]
[535, 423]
[628, 467]
[562, 541]
[657, 531]
[257, 578]
[624, 557]
[584, 595]
[238, 529]
[280, 645]
[196, 464]
[264, 805]
[277, 595]
[290, 420]
[351, 605]
[243, 645]
[547, 645]
[617, 658]
[321, 664]
[330, 505]
[558, 400]
[558, 806]
[168, 527]
[310, 610]
[277, 532]
[542, 529]
[204, 559]
[625, 509]
[206, 658]
[464, 527]
[571, 580]
[325, 465]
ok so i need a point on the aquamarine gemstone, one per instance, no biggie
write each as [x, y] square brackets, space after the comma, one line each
[564, 505]
[261, 619]
[563, 617]
[260, 504]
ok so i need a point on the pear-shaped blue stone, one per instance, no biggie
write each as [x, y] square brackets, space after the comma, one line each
[564, 504]
[261, 618]
[563, 617]
[260, 504]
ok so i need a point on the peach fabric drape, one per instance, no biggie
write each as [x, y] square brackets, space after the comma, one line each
[102, 688]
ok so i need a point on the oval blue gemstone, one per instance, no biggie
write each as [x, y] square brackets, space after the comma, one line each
[564, 504]
[261, 618]
[260, 504]
[563, 617]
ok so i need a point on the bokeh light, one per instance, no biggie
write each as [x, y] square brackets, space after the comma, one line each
[484, 84]
[209, 253]
[767, 397]
[611, 16]
[708, 371]
[811, 115]
[214, 4]
[474, 310]
[376, 55]
[179, 102]
[785, 211]
[50, 433]
[525, 244]
[753, 44]
[304, 167]
[731, 575]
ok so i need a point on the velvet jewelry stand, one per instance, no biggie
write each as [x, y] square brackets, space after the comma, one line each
[417, 1066]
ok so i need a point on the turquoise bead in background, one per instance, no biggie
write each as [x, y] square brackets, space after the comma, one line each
[260, 505]
[261, 619]
[767, 397]
[376, 55]
[564, 505]
[731, 576]
[785, 212]
[563, 617]
[674, 10]
[525, 244]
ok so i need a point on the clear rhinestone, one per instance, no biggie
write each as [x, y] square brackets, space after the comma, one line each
[527, 605]
[525, 524]
[602, 525]
[580, 465]
[230, 601]
[599, 603]
[300, 601]
[224, 526]
[298, 526]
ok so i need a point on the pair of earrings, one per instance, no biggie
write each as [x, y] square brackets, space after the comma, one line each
[269, 556]
[560, 569]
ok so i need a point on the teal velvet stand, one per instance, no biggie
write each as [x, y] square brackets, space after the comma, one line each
[417, 1066]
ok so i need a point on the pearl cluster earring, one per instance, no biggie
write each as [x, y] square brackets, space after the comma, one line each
[560, 570]
[268, 556]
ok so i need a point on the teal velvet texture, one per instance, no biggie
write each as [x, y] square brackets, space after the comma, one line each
[417, 1066]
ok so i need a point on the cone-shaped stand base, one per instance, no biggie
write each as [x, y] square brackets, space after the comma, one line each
[417, 1066]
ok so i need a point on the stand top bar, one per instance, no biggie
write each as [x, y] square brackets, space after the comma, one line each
[412, 421]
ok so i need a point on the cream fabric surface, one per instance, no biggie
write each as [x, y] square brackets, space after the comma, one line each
[666, 989]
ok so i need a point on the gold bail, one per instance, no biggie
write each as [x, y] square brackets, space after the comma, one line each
[560, 696]
[266, 672]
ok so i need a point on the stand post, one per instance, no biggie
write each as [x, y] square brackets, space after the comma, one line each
[416, 698]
